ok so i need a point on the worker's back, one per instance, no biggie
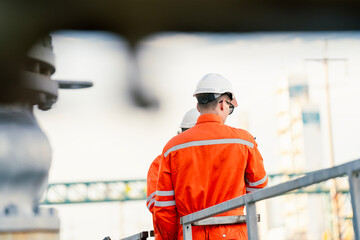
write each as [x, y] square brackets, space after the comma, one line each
[204, 166]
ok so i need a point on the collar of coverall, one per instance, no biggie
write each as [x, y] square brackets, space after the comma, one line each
[209, 117]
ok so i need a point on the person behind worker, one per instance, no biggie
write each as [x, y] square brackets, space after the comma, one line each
[207, 165]
[187, 122]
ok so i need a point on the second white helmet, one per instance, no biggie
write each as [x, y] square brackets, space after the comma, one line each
[190, 118]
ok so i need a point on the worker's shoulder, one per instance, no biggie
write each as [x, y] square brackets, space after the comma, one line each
[156, 161]
[184, 137]
[240, 132]
[154, 166]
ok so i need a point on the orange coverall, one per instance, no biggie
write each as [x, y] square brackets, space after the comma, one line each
[206, 165]
[151, 180]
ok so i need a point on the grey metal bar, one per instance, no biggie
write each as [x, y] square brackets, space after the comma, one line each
[251, 221]
[214, 210]
[309, 179]
[250, 199]
[139, 236]
[187, 233]
[354, 185]
[223, 220]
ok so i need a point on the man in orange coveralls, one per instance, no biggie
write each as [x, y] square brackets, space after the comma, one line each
[188, 121]
[206, 165]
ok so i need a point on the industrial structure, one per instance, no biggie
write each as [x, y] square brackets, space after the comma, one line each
[300, 135]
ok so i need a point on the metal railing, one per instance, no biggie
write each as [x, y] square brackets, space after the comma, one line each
[351, 169]
[139, 236]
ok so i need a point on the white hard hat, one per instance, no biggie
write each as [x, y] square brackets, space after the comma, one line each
[190, 118]
[216, 84]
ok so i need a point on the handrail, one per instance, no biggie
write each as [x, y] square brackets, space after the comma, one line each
[224, 220]
[139, 236]
[351, 169]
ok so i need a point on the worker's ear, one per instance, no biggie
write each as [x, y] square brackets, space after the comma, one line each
[222, 105]
[197, 107]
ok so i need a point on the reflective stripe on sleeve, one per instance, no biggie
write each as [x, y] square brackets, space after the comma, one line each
[165, 193]
[249, 189]
[257, 183]
[209, 142]
[150, 196]
[165, 203]
[151, 203]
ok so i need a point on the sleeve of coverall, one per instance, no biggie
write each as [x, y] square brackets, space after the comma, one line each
[151, 183]
[166, 218]
[255, 174]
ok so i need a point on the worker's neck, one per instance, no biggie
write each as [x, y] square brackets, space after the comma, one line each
[218, 113]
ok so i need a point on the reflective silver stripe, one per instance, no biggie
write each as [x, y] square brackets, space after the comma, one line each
[165, 193]
[165, 203]
[151, 203]
[209, 142]
[257, 183]
[249, 189]
[150, 196]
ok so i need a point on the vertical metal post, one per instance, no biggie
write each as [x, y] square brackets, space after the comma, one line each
[335, 206]
[333, 188]
[187, 233]
[354, 182]
[251, 221]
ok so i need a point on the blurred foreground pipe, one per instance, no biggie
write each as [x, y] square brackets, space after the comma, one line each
[25, 152]
[25, 157]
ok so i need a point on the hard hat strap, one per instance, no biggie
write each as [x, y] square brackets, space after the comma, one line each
[204, 98]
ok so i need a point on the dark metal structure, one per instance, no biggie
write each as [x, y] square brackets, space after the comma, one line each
[22, 23]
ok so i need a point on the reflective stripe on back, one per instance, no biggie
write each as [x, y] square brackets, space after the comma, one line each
[164, 203]
[257, 183]
[209, 142]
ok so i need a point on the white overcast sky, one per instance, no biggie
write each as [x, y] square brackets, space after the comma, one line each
[98, 134]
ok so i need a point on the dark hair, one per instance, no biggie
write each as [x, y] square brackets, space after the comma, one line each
[204, 98]
[210, 105]
[206, 101]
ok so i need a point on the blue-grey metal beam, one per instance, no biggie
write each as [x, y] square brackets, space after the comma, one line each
[130, 190]
[91, 192]
[354, 182]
